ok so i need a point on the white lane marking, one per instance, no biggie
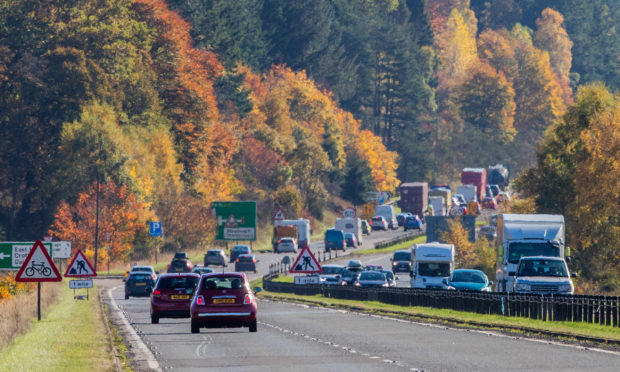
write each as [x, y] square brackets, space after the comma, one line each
[201, 349]
[149, 357]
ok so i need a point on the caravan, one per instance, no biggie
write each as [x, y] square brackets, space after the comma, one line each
[433, 264]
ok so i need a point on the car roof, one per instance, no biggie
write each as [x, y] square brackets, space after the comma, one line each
[142, 267]
[403, 250]
[168, 275]
[338, 266]
[532, 258]
[470, 271]
[214, 250]
[224, 274]
[349, 233]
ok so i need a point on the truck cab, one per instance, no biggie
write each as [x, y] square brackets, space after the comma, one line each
[433, 264]
[526, 235]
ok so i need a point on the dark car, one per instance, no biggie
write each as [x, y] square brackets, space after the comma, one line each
[350, 275]
[402, 261]
[143, 269]
[238, 250]
[412, 222]
[172, 295]
[179, 265]
[350, 240]
[371, 278]
[224, 300]
[334, 239]
[202, 270]
[245, 262]
[401, 218]
[215, 257]
[139, 284]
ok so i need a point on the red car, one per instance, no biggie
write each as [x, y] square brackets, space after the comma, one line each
[224, 300]
[172, 295]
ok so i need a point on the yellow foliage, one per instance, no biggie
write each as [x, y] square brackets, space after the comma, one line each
[465, 250]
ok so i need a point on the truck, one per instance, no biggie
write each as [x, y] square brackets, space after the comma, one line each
[433, 264]
[526, 235]
[476, 177]
[439, 205]
[470, 192]
[281, 231]
[303, 230]
[446, 194]
[414, 198]
[498, 175]
[350, 225]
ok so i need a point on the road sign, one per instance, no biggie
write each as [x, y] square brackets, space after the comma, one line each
[305, 263]
[155, 228]
[79, 267]
[279, 216]
[38, 266]
[79, 284]
[306, 279]
[349, 212]
[61, 249]
[235, 220]
[13, 254]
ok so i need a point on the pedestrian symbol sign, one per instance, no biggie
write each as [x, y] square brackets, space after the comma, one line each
[79, 267]
[38, 266]
[305, 263]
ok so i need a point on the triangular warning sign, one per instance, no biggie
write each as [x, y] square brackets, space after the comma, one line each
[231, 222]
[305, 263]
[79, 267]
[279, 214]
[38, 266]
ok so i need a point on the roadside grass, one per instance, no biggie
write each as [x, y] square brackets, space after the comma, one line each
[68, 338]
[451, 317]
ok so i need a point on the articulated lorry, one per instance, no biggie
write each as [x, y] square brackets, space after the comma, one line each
[526, 235]
[433, 264]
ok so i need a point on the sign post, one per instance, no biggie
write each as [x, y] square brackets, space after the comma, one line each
[38, 267]
[235, 220]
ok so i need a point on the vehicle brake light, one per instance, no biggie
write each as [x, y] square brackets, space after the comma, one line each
[169, 264]
[247, 299]
[237, 260]
[280, 241]
[200, 300]
[189, 266]
[254, 260]
[156, 293]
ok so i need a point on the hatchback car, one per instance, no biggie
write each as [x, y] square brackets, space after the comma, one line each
[379, 223]
[402, 261]
[180, 266]
[172, 295]
[371, 278]
[330, 274]
[350, 275]
[142, 269]
[350, 240]
[224, 300]
[202, 270]
[334, 239]
[287, 245]
[400, 218]
[215, 257]
[391, 278]
[489, 202]
[238, 250]
[412, 222]
[138, 284]
[245, 262]
[469, 280]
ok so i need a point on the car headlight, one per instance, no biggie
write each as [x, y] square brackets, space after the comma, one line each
[357, 284]
[321, 279]
[385, 285]
[565, 287]
[394, 263]
[523, 287]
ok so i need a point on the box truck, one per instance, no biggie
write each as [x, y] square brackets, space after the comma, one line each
[476, 177]
[433, 264]
[414, 198]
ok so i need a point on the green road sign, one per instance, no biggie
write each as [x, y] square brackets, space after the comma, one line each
[13, 254]
[235, 220]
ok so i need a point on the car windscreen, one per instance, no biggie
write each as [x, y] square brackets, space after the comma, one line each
[330, 270]
[223, 282]
[552, 268]
[402, 256]
[351, 273]
[213, 253]
[141, 269]
[182, 282]
[138, 278]
[334, 235]
[372, 275]
[527, 249]
[467, 277]
[433, 269]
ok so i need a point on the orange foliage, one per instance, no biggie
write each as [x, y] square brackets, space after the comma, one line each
[9, 287]
[120, 214]
[381, 161]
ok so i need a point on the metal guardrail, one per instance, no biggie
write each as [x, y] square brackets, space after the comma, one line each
[604, 310]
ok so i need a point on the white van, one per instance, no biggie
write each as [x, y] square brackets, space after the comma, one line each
[387, 212]
[433, 264]
[350, 225]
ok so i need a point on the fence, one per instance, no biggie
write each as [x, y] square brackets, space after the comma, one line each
[604, 310]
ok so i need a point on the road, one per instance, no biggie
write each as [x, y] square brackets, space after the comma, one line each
[301, 338]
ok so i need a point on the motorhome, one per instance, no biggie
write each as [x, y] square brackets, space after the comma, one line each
[433, 264]
[350, 225]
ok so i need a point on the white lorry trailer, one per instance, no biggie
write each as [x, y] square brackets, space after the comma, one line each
[433, 264]
[468, 191]
[350, 225]
[303, 230]
[526, 235]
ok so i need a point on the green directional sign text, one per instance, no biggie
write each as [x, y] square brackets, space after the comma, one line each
[13, 254]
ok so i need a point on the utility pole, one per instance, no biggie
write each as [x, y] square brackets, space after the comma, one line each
[97, 222]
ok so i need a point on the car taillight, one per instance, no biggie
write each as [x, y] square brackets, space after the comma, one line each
[200, 300]
[247, 299]
[169, 264]
[189, 266]
[237, 260]
[156, 293]
[254, 260]
[280, 241]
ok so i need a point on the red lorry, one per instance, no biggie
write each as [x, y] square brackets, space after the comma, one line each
[476, 177]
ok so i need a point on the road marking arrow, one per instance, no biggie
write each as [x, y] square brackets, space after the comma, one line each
[3, 255]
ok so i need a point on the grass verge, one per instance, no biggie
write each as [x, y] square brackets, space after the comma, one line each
[458, 318]
[68, 338]
[119, 344]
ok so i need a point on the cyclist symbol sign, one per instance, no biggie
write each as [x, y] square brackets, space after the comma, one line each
[38, 266]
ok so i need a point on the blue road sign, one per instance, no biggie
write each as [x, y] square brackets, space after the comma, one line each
[155, 229]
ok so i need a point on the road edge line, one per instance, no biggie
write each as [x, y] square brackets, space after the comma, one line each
[106, 320]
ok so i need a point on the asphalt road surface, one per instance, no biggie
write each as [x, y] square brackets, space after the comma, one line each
[301, 338]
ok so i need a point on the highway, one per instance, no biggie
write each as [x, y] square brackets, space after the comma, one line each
[295, 337]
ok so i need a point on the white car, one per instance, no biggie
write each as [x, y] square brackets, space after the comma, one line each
[543, 275]
[331, 274]
[287, 245]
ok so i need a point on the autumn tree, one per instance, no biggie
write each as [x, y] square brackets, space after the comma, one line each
[457, 235]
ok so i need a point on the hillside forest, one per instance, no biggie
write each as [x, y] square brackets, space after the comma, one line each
[145, 110]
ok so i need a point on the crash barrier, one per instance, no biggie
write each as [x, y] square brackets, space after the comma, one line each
[403, 238]
[604, 310]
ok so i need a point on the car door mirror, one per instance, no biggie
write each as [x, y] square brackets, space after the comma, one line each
[257, 289]
[490, 283]
[574, 275]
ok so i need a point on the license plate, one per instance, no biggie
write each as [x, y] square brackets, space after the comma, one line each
[140, 284]
[180, 297]
[223, 300]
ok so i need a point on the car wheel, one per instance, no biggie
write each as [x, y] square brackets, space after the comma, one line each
[195, 327]
[126, 296]
[253, 326]
[404, 228]
[154, 319]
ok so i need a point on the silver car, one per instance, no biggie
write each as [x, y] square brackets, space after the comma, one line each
[287, 245]
[372, 279]
[543, 275]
